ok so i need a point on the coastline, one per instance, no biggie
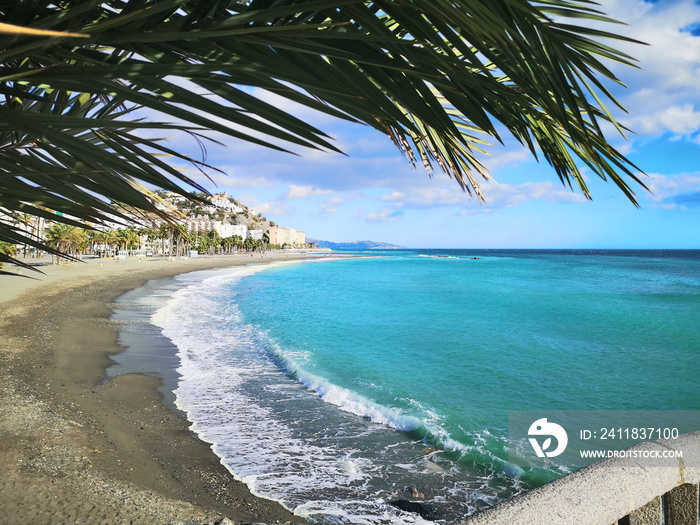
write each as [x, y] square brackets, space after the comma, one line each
[76, 448]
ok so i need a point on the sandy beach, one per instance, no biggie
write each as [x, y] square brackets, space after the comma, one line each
[75, 449]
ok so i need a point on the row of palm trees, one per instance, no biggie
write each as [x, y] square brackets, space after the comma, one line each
[168, 240]
[67, 239]
[176, 240]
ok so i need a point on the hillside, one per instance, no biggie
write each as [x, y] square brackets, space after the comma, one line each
[223, 208]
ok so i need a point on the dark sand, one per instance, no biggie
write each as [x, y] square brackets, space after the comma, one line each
[74, 449]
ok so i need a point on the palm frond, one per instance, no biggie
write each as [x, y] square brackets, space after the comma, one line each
[439, 77]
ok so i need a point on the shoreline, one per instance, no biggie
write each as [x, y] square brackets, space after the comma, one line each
[78, 448]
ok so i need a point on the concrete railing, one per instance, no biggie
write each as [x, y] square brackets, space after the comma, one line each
[612, 492]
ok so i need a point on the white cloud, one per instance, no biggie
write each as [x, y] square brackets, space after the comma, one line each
[662, 94]
[681, 120]
[338, 200]
[386, 215]
[506, 195]
[302, 192]
[374, 143]
[668, 206]
[276, 207]
[496, 195]
[394, 196]
[435, 196]
[240, 178]
[506, 157]
[232, 178]
[331, 205]
[243, 182]
[675, 187]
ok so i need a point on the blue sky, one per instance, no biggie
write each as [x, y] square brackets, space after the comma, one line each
[374, 193]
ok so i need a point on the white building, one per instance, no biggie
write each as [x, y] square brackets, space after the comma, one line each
[201, 224]
[221, 200]
[229, 230]
[256, 235]
[224, 230]
[280, 235]
[175, 198]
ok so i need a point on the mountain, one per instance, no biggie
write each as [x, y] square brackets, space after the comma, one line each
[357, 245]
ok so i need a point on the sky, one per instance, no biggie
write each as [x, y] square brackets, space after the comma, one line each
[373, 192]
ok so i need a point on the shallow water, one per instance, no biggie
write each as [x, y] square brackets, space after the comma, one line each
[332, 386]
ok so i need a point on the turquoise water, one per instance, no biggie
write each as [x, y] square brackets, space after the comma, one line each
[346, 381]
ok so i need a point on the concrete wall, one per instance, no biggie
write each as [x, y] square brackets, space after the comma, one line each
[612, 490]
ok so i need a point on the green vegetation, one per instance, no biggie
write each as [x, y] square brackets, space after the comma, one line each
[439, 78]
[67, 239]
[6, 249]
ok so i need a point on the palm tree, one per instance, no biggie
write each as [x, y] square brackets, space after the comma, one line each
[128, 238]
[113, 240]
[189, 239]
[214, 241]
[228, 244]
[165, 233]
[66, 239]
[7, 249]
[439, 78]
[150, 235]
[98, 240]
[25, 221]
[237, 241]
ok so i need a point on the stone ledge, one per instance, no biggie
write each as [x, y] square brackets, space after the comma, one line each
[603, 492]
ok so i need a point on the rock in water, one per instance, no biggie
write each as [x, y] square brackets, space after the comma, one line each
[427, 512]
[412, 492]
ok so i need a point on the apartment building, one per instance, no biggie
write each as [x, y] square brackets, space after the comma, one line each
[280, 235]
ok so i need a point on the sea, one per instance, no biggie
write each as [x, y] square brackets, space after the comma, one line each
[337, 386]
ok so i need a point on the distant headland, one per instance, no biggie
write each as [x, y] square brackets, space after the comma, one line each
[356, 245]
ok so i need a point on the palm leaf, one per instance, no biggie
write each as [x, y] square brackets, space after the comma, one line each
[439, 77]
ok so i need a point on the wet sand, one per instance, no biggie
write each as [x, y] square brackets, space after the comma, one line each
[75, 449]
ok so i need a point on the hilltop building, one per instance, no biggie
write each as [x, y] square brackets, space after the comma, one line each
[222, 200]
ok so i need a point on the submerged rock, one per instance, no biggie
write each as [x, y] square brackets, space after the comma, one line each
[412, 492]
[427, 512]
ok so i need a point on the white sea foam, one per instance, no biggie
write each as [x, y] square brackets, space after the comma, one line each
[348, 400]
[282, 433]
[220, 356]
